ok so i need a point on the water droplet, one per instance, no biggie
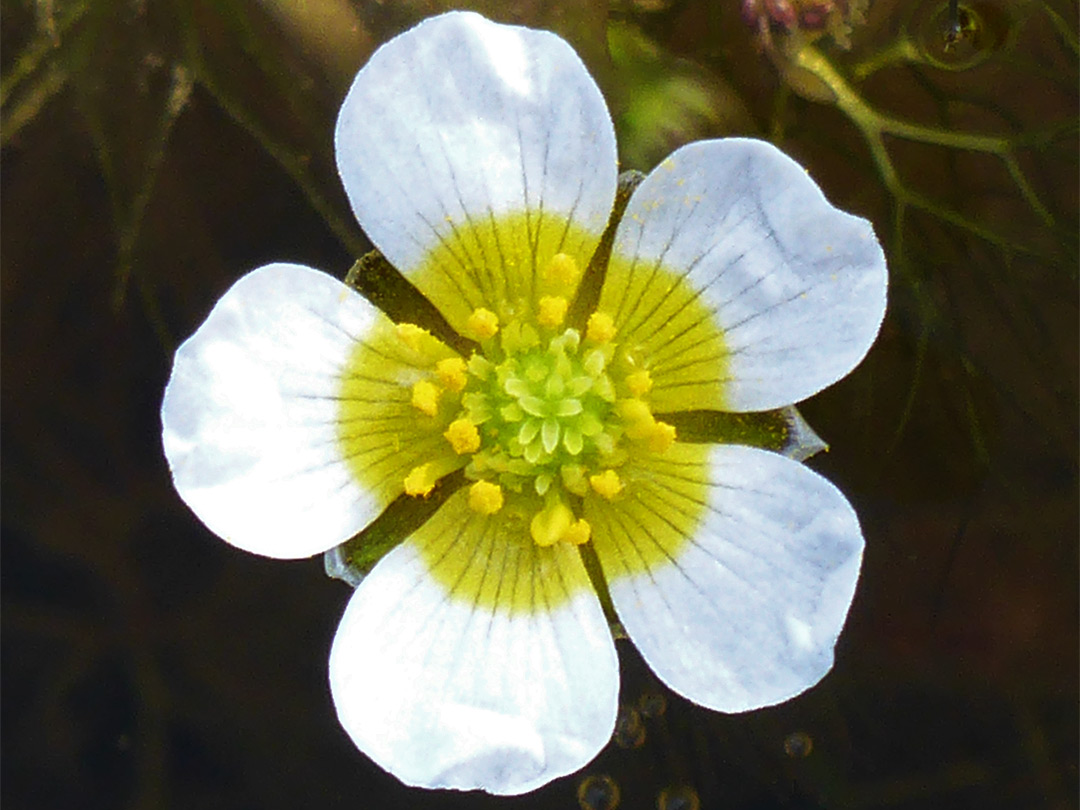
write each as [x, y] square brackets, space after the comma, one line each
[678, 797]
[977, 31]
[629, 730]
[798, 745]
[652, 705]
[598, 792]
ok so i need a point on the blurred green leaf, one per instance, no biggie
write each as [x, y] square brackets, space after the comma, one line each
[666, 101]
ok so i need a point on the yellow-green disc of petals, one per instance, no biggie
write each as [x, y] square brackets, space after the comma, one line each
[510, 148]
[503, 264]
[662, 323]
[491, 561]
[382, 433]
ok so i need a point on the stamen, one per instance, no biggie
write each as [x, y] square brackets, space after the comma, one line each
[600, 328]
[661, 438]
[419, 481]
[463, 436]
[482, 324]
[411, 335]
[562, 268]
[425, 397]
[547, 412]
[451, 373]
[637, 416]
[642, 426]
[552, 310]
[639, 383]
[578, 533]
[606, 484]
[550, 524]
[485, 497]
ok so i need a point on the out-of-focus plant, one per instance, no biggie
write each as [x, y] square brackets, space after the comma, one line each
[970, 144]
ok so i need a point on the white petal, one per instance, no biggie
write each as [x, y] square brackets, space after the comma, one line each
[746, 612]
[460, 121]
[249, 419]
[796, 287]
[444, 692]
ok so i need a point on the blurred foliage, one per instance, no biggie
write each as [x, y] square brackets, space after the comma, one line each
[154, 150]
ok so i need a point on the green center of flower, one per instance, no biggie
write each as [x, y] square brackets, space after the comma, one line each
[544, 409]
[546, 414]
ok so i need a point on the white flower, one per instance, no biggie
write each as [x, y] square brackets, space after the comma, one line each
[480, 159]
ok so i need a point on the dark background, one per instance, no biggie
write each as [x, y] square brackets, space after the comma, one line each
[156, 150]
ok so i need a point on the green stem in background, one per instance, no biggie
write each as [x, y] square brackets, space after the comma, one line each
[38, 73]
[1064, 29]
[40, 52]
[128, 230]
[294, 163]
[874, 125]
[35, 92]
[899, 51]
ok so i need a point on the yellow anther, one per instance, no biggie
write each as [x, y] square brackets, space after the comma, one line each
[552, 310]
[639, 383]
[578, 533]
[600, 327]
[661, 437]
[482, 324]
[637, 416]
[451, 373]
[550, 524]
[463, 436]
[419, 481]
[606, 484]
[485, 497]
[562, 268]
[425, 397]
[411, 335]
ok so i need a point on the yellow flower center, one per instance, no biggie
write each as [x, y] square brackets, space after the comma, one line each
[545, 415]
[538, 470]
